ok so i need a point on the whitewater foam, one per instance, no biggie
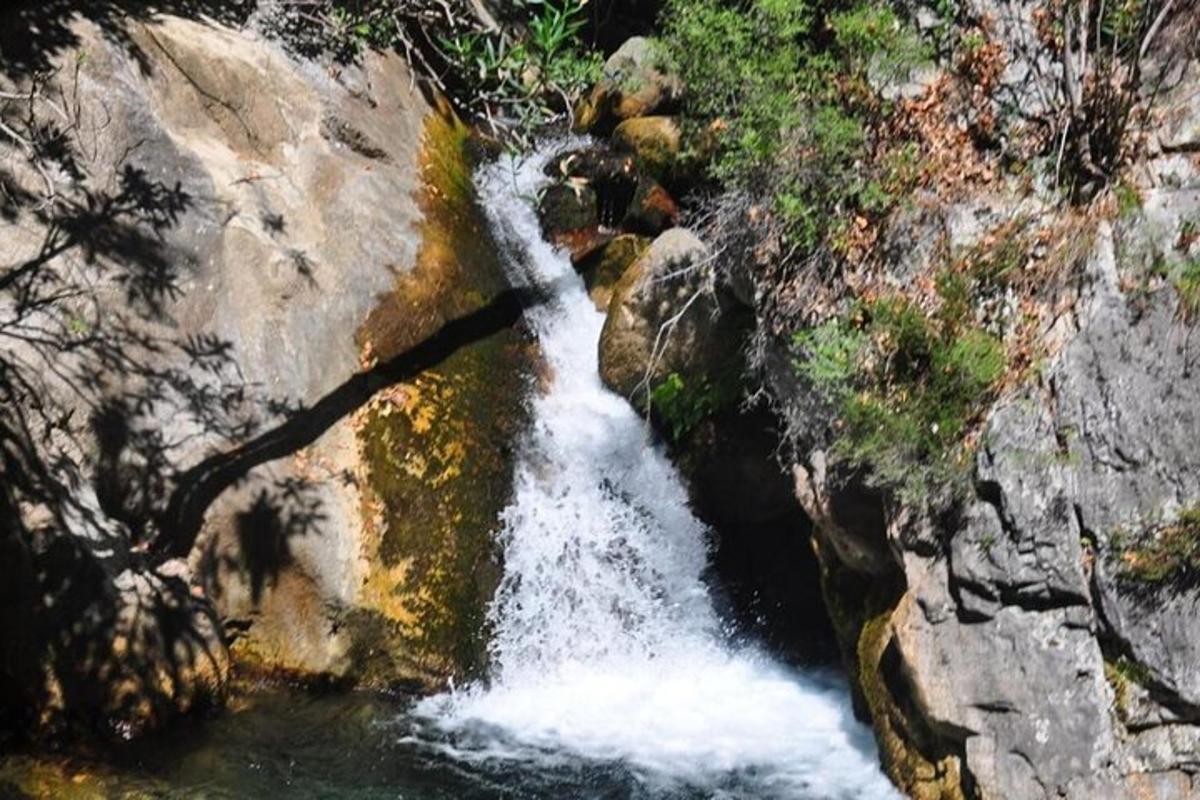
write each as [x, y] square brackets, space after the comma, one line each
[606, 644]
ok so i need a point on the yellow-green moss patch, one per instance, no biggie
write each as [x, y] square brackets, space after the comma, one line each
[437, 450]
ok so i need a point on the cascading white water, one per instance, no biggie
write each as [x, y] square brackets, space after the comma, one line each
[606, 643]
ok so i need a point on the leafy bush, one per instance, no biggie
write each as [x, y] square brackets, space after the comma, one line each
[683, 407]
[513, 81]
[782, 87]
[906, 388]
[526, 84]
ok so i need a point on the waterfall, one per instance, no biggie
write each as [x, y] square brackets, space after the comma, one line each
[606, 643]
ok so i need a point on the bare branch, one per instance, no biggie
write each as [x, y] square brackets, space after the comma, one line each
[1154, 28]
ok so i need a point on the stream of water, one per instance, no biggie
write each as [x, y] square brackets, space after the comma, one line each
[607, 645]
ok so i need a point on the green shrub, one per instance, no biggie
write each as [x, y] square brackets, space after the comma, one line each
[1166, 551]
[785, 83]
[682, 406]
[526, 84]
[906, 388]
[831, 352]
[514, 84]
[872, 36]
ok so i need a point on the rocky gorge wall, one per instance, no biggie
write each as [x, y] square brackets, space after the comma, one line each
[1035, 635]
[269, 379]
[261, 420]
[1024, 652]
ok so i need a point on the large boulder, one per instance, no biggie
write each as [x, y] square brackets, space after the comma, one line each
[664, 318]
[1019, 644]
[634, 85]
[257, 243]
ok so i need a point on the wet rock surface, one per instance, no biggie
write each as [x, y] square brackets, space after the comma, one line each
[654, 141]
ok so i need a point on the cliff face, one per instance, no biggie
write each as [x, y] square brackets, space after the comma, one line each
[1018, 614]
[1021, 640]
[215, 256]
[1040, 636]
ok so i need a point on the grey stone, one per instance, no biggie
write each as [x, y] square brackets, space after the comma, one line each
[1181, 132]
[1016, 604]
[1024, 692]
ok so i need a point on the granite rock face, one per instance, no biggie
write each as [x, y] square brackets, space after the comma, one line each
[203, 249]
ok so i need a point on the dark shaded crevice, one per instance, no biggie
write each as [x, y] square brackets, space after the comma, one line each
[1013, 595]
[614, 196]
[778, 575]
[764, 572]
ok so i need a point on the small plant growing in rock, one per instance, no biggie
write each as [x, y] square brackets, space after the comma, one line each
[1165, 552]
[1187, 286]
[1124, 675]
[1129, 201]
[905, 387]
[682, 406]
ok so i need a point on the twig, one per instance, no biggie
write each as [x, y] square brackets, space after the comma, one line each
[1153, 30]
[31, 154]
[659, 348]
[1062, 148]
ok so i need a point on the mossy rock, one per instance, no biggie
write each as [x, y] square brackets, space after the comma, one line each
[594, 110]
[51, 777]
[437, 449]
[655, 141]
[634, 85]
[861, 608]
[602, 268]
